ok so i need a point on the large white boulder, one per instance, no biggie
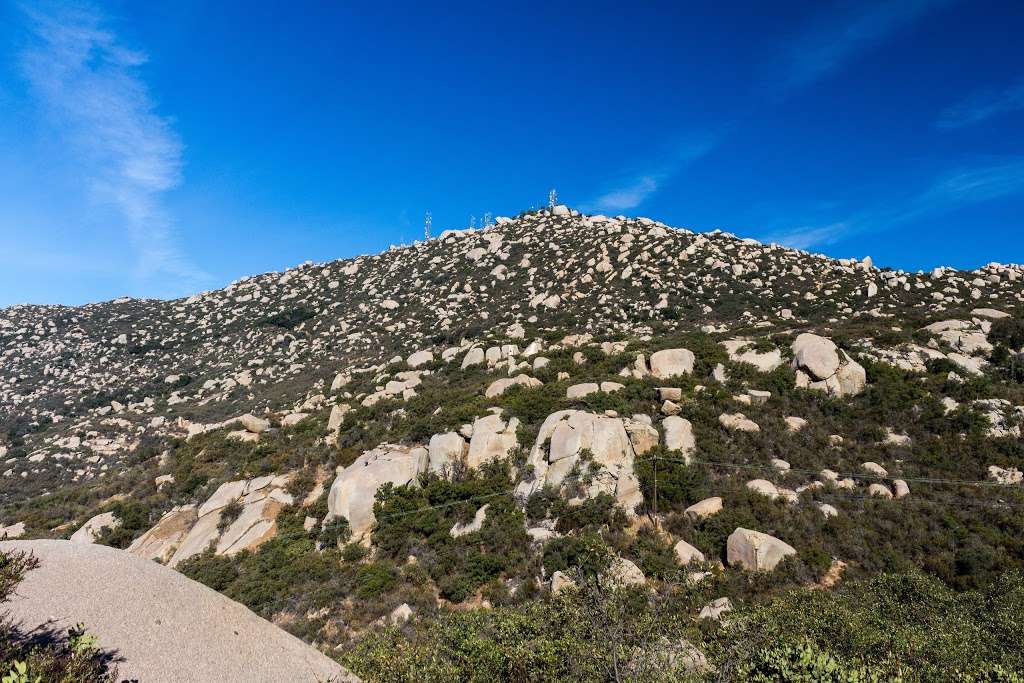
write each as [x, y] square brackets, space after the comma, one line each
[641, 434]
[91, 530]
[444, 450]
[679, 435]
[336, 417]
[756, 551]
[715, 609]
[763, 487]
[494, 438]
[253, 424]
[705, 508]
[500, 386]
[581, 390]
[623, 573]
[475, 356]
[686, 553]
[742, 351]
[11, 531]
[419, 358]
[738, 422]
[561, 442]
[822, 366]
[354, 489]
[817, 356]
[671, 363]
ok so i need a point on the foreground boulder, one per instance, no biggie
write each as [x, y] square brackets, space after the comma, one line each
[823, 366]
[756, 551]
[566, 436]
[353, 491]
[163, 626]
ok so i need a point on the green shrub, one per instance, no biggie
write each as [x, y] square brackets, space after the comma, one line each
[375, 579]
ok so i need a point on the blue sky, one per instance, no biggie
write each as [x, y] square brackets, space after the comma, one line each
[159, 149]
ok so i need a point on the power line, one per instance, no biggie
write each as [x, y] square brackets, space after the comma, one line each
[850, 475]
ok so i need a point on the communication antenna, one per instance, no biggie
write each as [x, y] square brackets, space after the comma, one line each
[487, 219]
[552, 198]
[472, 221]
[428, 221]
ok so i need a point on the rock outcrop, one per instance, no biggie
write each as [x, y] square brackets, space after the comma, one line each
[353, 491]
[186, 531]
[565, 438]
[160, 542]
[91, 530]
[679, 436]
[494, 438]
[743, 351]
[756, 551]
[671, 363]
[823, 366]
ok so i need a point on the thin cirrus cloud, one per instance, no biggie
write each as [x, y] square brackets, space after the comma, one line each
[982, 106]
[88, 87]
[819, 51]
[636, 188]
[947, 193]
[841, 37]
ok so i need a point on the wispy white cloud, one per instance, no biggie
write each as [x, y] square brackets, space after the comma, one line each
[88, 84]
[963, 187]
[982, 106]
[634, 188]
[807, 236]
[630, 196]
[949, 192]
[841, 37]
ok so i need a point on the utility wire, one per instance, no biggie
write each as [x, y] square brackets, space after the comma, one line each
[851, 475]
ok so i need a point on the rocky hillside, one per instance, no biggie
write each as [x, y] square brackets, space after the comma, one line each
[81, 388]
[494, 417]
